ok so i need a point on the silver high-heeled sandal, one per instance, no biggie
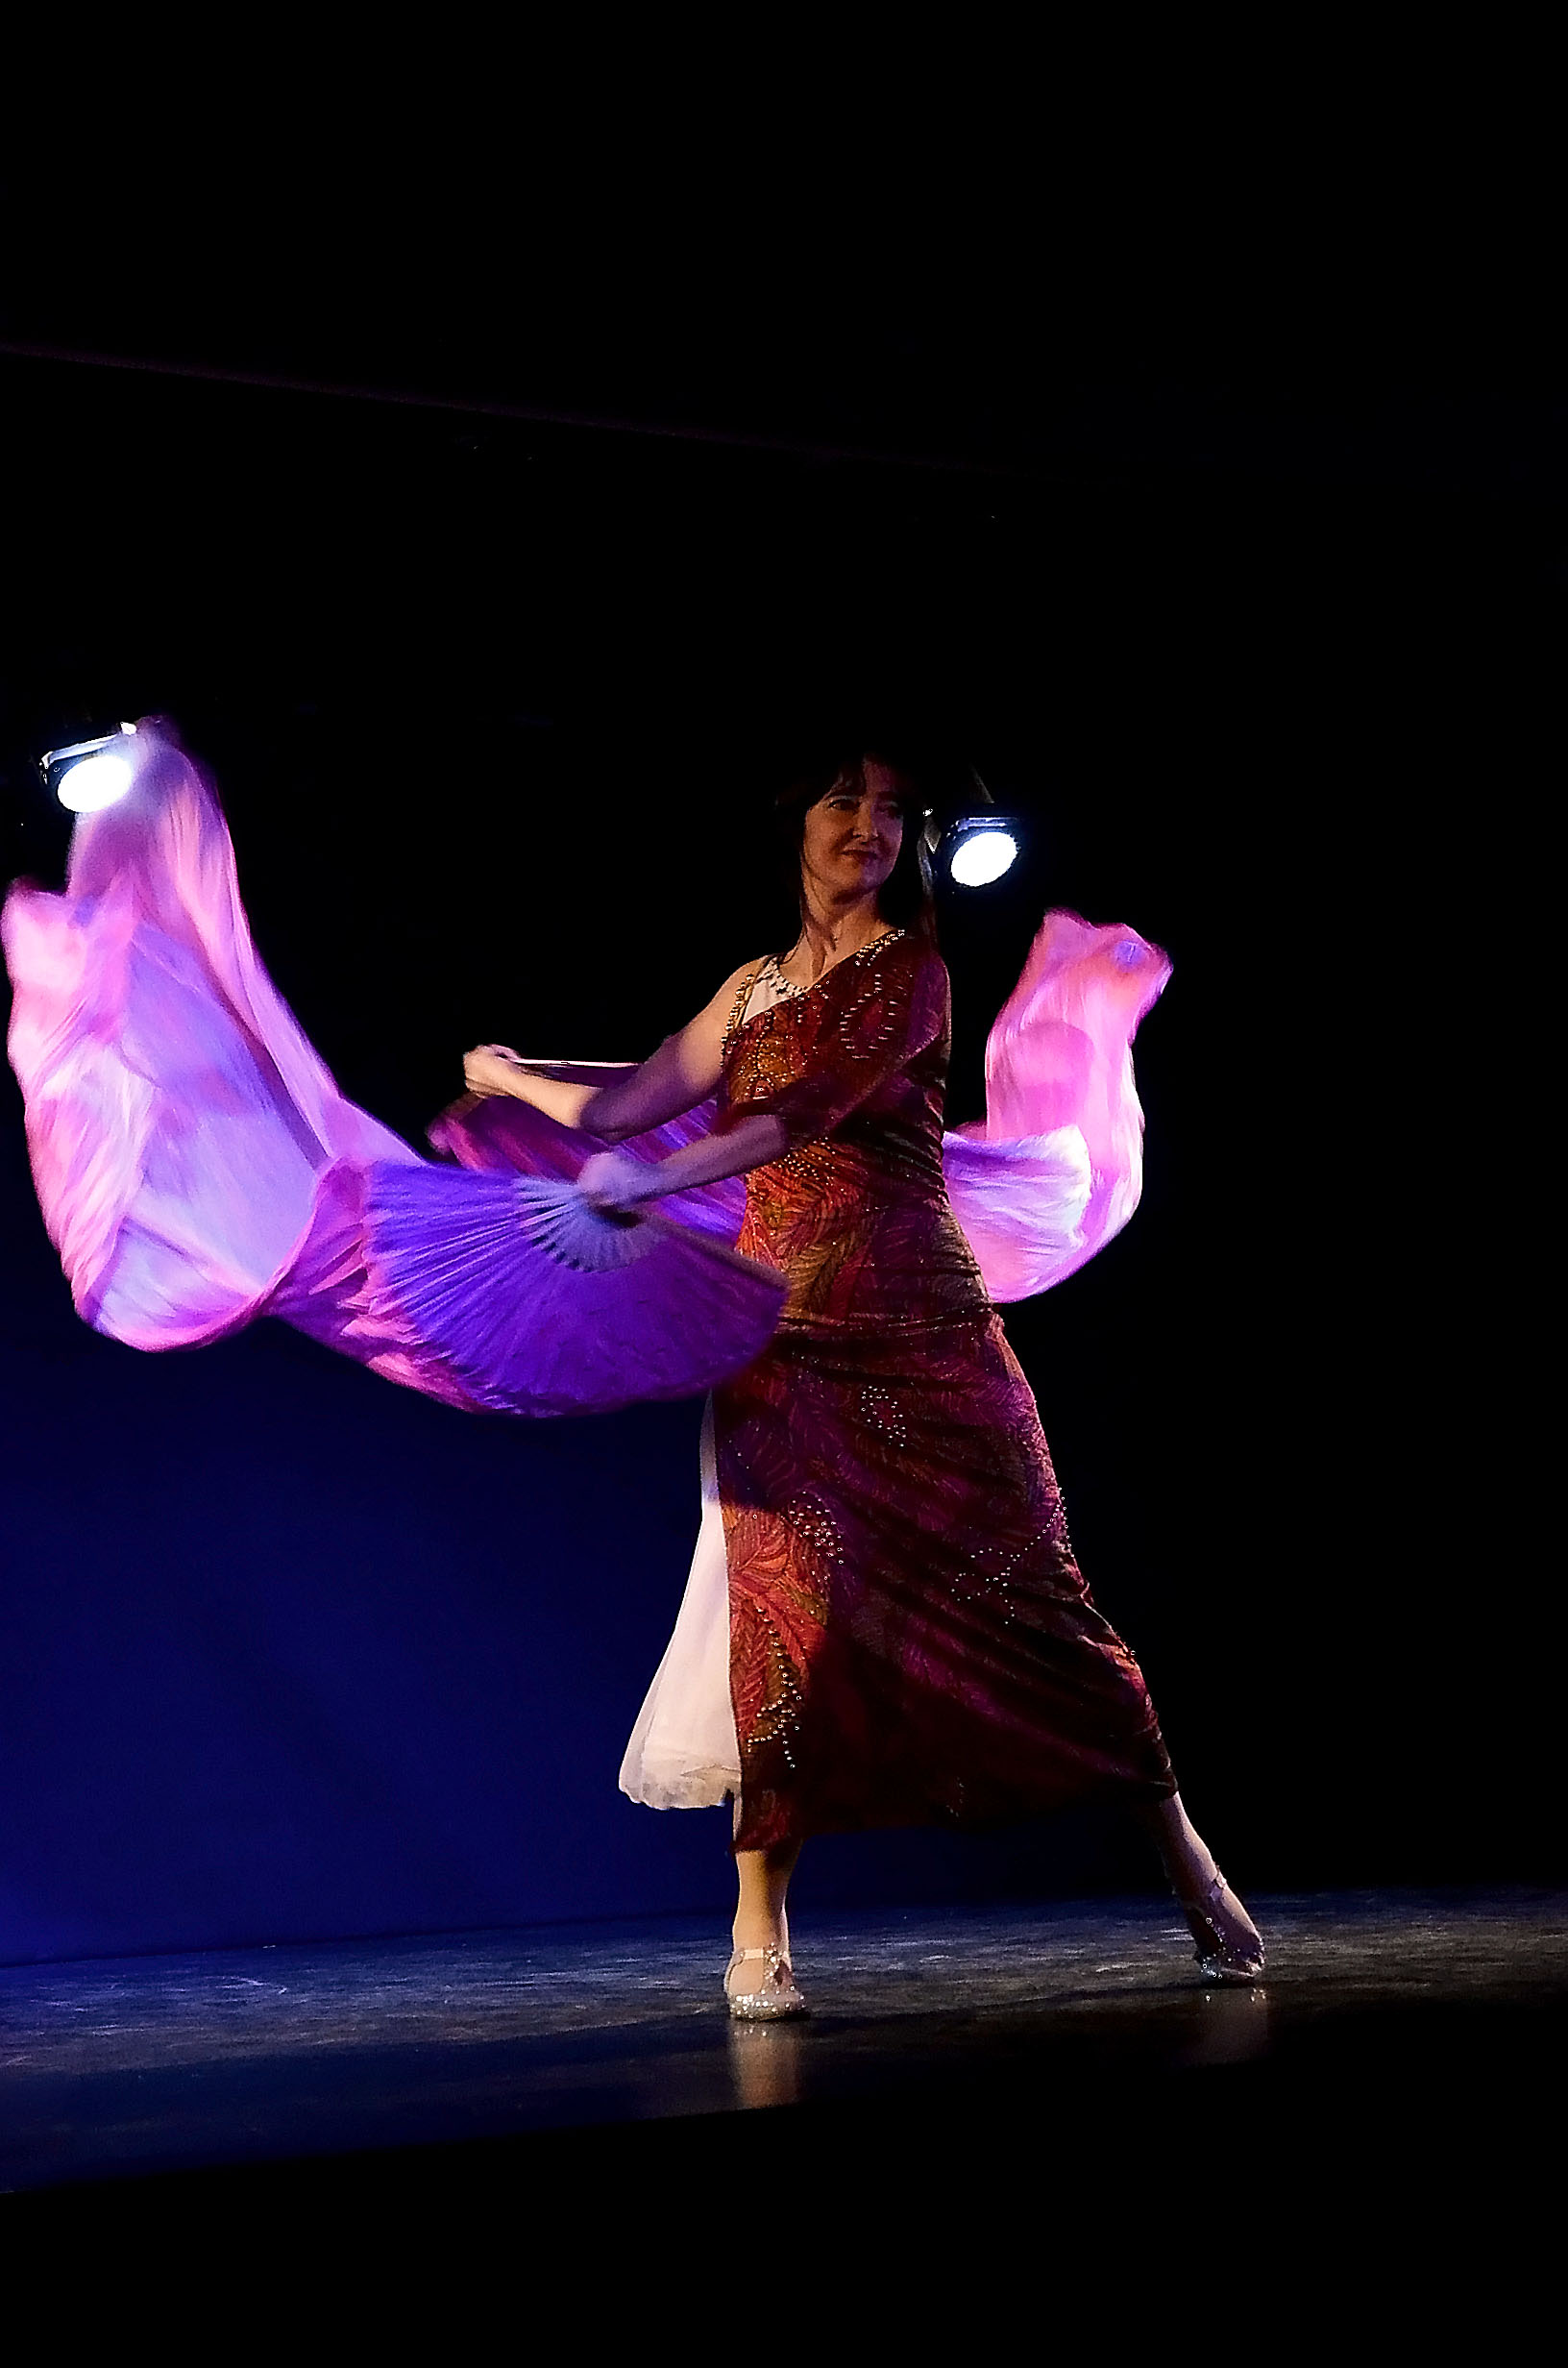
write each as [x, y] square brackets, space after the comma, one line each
[778, 1994]
[1229, 1957]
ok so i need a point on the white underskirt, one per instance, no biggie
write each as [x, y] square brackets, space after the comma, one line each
[683, 1752]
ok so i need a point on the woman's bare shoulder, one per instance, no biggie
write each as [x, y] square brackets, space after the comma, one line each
[740, 975]
[716, 1012]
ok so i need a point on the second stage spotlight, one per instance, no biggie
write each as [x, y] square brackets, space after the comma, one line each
[980, 849]
[970, 842]
[90, 773]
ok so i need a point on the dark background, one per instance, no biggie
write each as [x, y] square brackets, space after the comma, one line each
[492, 542]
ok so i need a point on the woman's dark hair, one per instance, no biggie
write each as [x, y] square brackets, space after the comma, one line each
[905, 898]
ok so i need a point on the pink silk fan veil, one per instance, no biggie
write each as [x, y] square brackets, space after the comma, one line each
[197, 1166]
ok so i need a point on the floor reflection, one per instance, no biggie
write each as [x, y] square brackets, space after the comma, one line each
[1232, 2026]
[764, 2062]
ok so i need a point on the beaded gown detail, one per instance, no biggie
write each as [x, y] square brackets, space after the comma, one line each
[910, 1638]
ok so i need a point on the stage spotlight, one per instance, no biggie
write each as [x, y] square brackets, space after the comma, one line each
[980, 849]
[90, 773]
[966, 837]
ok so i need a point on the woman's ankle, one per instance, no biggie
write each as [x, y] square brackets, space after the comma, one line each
[764, 1876]
[758, 1930]
[1186, 1856]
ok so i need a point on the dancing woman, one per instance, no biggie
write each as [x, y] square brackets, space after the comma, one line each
[884, 1622]
[910, 1639]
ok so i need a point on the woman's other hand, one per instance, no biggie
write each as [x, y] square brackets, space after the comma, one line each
[489, 1069]
[610, 1180]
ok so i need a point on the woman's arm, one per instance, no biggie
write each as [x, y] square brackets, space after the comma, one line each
[611, 1180]
[683, 1072]
[496, 1069]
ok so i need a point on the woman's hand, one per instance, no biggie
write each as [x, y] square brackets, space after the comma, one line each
[610, 1180]
[489, 1069]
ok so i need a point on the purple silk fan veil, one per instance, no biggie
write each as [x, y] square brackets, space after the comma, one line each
[197, 1166]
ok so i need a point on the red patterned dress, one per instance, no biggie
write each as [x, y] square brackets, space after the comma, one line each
[911, 1638]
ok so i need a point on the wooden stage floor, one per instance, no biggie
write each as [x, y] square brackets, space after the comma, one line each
[486, 2057]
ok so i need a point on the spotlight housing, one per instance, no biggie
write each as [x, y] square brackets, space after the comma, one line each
[979, 849]
[971, 843]
[90, 773]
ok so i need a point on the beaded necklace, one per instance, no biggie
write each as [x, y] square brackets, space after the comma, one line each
[785, 990]
[771, 974]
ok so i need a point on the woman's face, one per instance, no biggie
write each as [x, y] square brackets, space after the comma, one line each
[852, 836]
